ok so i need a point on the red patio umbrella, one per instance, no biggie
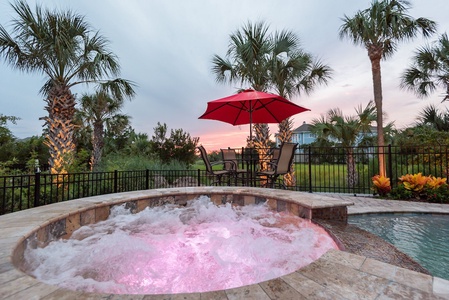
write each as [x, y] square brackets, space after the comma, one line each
[250, 107]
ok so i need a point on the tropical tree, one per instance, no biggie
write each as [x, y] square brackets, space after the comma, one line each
[431, 116]
[139, 145]
[269, 62]
[246, 62]
[96, 111]
[61, 45]
[292, 72]
[379, 29]
[429, 70]
[345, 130]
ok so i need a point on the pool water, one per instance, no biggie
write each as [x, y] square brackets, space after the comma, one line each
[424, 237]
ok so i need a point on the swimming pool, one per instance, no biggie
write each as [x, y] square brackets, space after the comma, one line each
[424, 237]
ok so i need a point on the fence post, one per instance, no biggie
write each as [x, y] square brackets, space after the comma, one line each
[309, 152]
[115, 181]
[147, 179]
[37, 188]
[198, 174]
[390, 166]
[446, 167]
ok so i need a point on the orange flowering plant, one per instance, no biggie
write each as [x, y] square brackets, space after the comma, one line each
[435, 182]
[414, 182]
[432, 188]
[381, 185]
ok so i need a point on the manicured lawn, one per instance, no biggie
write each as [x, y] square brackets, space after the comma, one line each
[324, 177]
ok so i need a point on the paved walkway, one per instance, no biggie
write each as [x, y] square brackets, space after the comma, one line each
[367, 204]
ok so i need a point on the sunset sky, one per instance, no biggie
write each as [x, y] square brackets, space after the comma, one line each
[166, 48]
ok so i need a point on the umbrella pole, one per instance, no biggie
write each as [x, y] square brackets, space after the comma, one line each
[250, 125]
[251, 167]
[250, 133]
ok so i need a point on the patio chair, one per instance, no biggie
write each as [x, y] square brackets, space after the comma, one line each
[274, 156]
[281, 166]
[217, 173]
[231, 163]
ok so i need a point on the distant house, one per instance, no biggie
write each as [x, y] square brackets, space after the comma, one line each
[303, 136]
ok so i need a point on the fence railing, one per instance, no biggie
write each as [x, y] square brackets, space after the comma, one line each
[20, 192]
[332, 170]
[350, 169]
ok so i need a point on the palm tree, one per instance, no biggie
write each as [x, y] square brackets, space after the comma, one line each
[246, 63]
[96, 111]
[292, 72]
[345, 130]
[430, 69]
[139, 145]
[62, 46]
[379, 29]
[246, 58]
[256, 58]
[430, 115]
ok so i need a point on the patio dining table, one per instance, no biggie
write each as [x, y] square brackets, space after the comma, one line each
[254, 163]
[250, 158]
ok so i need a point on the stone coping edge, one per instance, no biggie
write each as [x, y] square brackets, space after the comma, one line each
[17, 227]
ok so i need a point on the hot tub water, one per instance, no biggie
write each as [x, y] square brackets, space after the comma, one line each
[197, 248]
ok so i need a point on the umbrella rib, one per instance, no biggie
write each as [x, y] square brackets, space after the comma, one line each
[264, 106]
[242, 107]
[213, 110]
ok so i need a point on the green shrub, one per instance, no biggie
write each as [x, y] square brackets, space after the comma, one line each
[401, 193]
[438, 195]
[120, 162]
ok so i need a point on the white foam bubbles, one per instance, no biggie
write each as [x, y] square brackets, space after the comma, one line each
[169, 249]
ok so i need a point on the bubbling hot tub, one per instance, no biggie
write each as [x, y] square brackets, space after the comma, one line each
[47, 225]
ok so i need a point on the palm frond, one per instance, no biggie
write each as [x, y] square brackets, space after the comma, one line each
[383, 25]
[118, 88]
[429, 69]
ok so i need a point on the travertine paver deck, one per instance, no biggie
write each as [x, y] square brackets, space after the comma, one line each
[368, 204]
[336, 275]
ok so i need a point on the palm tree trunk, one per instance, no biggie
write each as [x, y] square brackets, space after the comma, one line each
[61, 110]
[375, 56]
[261, 143]
[285, 130]
[97, 145]
[350, 164]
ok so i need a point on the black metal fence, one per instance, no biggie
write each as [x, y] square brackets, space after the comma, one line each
[349, 170]
[331, 170]
[18, 192]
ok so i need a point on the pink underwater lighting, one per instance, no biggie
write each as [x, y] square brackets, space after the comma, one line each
[198, 248]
